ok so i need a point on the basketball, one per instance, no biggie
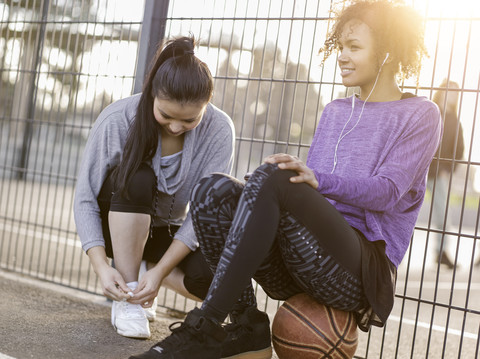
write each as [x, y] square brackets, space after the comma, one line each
[303, 328]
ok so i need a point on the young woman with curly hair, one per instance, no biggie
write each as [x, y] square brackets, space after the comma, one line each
[335, 227]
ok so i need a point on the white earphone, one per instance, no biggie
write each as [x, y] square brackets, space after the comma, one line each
[386, 58]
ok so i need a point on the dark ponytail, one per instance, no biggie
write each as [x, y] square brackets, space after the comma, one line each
[176, 75]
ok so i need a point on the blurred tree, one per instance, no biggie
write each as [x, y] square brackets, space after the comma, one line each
[44, 43]
[279, 103]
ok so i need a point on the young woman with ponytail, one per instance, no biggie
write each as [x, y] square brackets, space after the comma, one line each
[143, 157]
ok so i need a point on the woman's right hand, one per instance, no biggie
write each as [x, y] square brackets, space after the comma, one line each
[148, 287]
[113, 285]
[289, 162]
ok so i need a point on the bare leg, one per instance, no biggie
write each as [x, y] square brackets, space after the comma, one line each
[174, 281]
[129, 233]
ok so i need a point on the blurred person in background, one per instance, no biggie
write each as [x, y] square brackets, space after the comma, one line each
[444, 164]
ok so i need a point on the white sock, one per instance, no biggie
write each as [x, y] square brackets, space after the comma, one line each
[143, 269]
[132, 285]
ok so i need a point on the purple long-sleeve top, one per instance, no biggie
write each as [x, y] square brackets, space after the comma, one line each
[379, 180]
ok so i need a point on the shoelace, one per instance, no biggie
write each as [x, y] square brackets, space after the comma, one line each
[132, 310]
[181, 334]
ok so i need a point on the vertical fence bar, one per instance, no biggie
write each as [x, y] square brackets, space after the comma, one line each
[32, 93]
[153, 32]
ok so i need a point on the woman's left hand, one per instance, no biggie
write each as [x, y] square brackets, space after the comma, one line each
[289, 162]
[147, 289]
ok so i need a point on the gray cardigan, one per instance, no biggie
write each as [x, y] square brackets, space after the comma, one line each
[207, 148]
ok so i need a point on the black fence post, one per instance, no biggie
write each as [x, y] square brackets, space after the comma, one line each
[32, 95]
[153, 32]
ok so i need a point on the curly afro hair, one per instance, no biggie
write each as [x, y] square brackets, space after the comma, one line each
[397, 29]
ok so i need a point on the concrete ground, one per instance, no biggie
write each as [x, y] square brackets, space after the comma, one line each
[46, 321]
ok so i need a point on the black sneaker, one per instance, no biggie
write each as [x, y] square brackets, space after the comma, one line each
[248, 336]
[197, 337]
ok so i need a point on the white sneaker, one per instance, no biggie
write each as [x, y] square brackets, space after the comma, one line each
[130, 320]
[151, 312]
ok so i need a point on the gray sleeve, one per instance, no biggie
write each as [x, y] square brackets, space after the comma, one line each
[216, 156]
[102, 152]
[186, 234]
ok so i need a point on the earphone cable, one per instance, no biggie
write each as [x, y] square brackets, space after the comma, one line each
[342, 136]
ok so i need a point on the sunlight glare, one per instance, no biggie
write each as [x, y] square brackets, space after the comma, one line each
[447, 8]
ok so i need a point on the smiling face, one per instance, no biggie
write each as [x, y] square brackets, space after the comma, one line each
[176, 118]
[357, 60]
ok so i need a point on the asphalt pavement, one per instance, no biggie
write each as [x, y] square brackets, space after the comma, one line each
[42, 320]
[45, 321]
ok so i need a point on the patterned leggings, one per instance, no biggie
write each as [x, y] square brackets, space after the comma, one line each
[286, 236]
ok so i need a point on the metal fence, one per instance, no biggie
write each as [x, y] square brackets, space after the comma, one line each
[62, 62]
